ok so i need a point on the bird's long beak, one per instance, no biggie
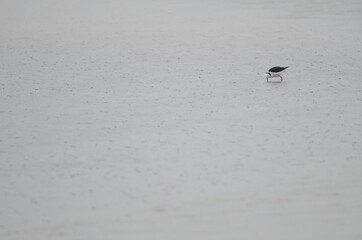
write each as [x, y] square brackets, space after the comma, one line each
[267, 77]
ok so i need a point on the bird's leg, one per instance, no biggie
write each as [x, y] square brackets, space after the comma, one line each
[281, 78]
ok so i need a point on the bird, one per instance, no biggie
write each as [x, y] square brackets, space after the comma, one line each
[275, 72]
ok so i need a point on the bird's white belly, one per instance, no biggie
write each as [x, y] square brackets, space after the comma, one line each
[275, 74]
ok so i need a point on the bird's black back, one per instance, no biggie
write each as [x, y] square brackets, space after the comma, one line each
[277, 69]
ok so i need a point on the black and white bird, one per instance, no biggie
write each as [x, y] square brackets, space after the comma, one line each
[275, 72]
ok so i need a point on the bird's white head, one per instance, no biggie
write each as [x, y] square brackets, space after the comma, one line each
[267, 75]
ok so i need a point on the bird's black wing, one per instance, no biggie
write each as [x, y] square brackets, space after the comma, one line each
[277, 69]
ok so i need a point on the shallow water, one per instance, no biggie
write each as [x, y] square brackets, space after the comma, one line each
[153, 120]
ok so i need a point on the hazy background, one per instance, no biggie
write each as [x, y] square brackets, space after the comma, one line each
[153, 120]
